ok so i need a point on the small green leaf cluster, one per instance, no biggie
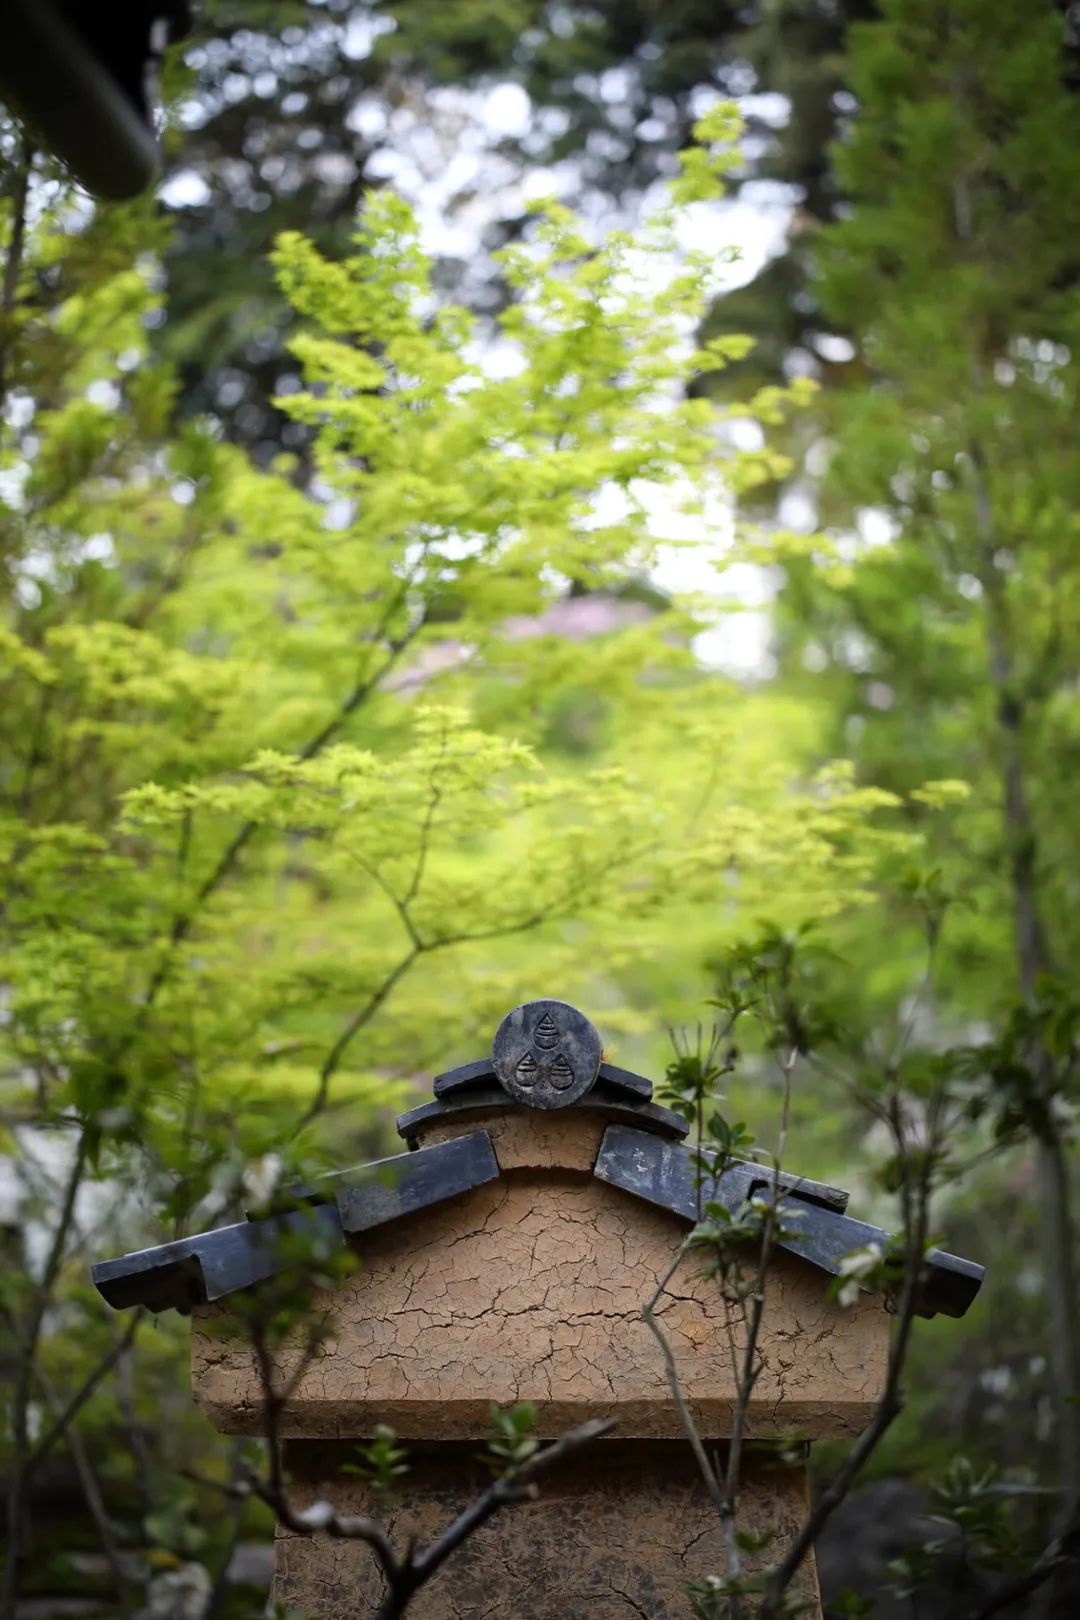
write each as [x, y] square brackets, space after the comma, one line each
[383, 1462]
[727, 1597]
[976, 1511]
[512, 1440]
[725, 1237]
[777, 977]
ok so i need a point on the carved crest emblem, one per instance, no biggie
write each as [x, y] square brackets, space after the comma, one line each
[546, 1054]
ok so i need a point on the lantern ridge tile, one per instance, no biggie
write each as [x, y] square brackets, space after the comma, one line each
[483, 1099]
[482, 1072]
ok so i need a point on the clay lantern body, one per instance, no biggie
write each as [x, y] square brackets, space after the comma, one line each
[506, 1257]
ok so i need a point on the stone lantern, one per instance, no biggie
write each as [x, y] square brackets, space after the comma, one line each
[506, 1256]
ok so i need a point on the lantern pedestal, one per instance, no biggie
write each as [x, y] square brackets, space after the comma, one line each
[531, 1288]
[506, 1258]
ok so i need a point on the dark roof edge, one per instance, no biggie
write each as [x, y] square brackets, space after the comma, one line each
[209, 1265]
[665, 1173]
[603, 1098]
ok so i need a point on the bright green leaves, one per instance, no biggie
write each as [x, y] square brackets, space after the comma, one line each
[312, 771]
[17, 657]
[383, 1462]
[454, 477]
[512, 1439]
[713, 156]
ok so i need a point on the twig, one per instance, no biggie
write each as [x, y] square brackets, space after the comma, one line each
[515, 1486]
[136, 1432]
[342, 1527]
[419, 947]
[217, 1591]
[184, 920]
[404, 1575]
[24, 1378]
[92, 1493]
[425, 832]
[648, 1312]
[747, 1376]
[351, 1029]
[59, 1428]
[891, 1402]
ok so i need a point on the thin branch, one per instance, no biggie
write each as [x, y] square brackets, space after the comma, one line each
[139, 614]
[425, 842]
[136, 1430]
[401, 906]
[750, 1371]
[215, 1601]
[185, 920]
[891, 1403]
[37, 750]
[518, 1485]
[337, 1526]
[91, 1490]
[888, 1410]
[648, 1313]
[59, 1428]
[365, 1013]
[24, 1379]
[351, 1029]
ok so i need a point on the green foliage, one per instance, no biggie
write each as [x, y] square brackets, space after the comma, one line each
[512, 1439]
[173, 1529]
[851, 1605]
[690, 1081]
[972, 1501]
[302, 786]
[282, 133]
[777, 979]
[1018, 1097]
[214, 745]
[727, 1597]
[977, 1515]
[958, 438]
[935, 613]
[383, 1462]
[286, 812]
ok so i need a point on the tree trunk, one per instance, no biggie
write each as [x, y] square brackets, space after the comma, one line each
[1033, 959]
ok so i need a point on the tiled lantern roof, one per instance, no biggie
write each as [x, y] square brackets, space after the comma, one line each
[546, 1056]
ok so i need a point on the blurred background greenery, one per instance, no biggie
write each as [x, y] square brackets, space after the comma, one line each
[612, 733]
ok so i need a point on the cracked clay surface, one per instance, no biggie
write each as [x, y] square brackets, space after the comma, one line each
[615, 1535]
[530, 1288]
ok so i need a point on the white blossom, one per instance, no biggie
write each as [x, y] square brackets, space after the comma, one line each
[855, 1268]
[261, 1178]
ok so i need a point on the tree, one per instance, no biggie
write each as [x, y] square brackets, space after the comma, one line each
[284, 767]
[939, 608]
[281, 114]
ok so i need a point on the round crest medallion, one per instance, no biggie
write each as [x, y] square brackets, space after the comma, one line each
[546, 1054]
